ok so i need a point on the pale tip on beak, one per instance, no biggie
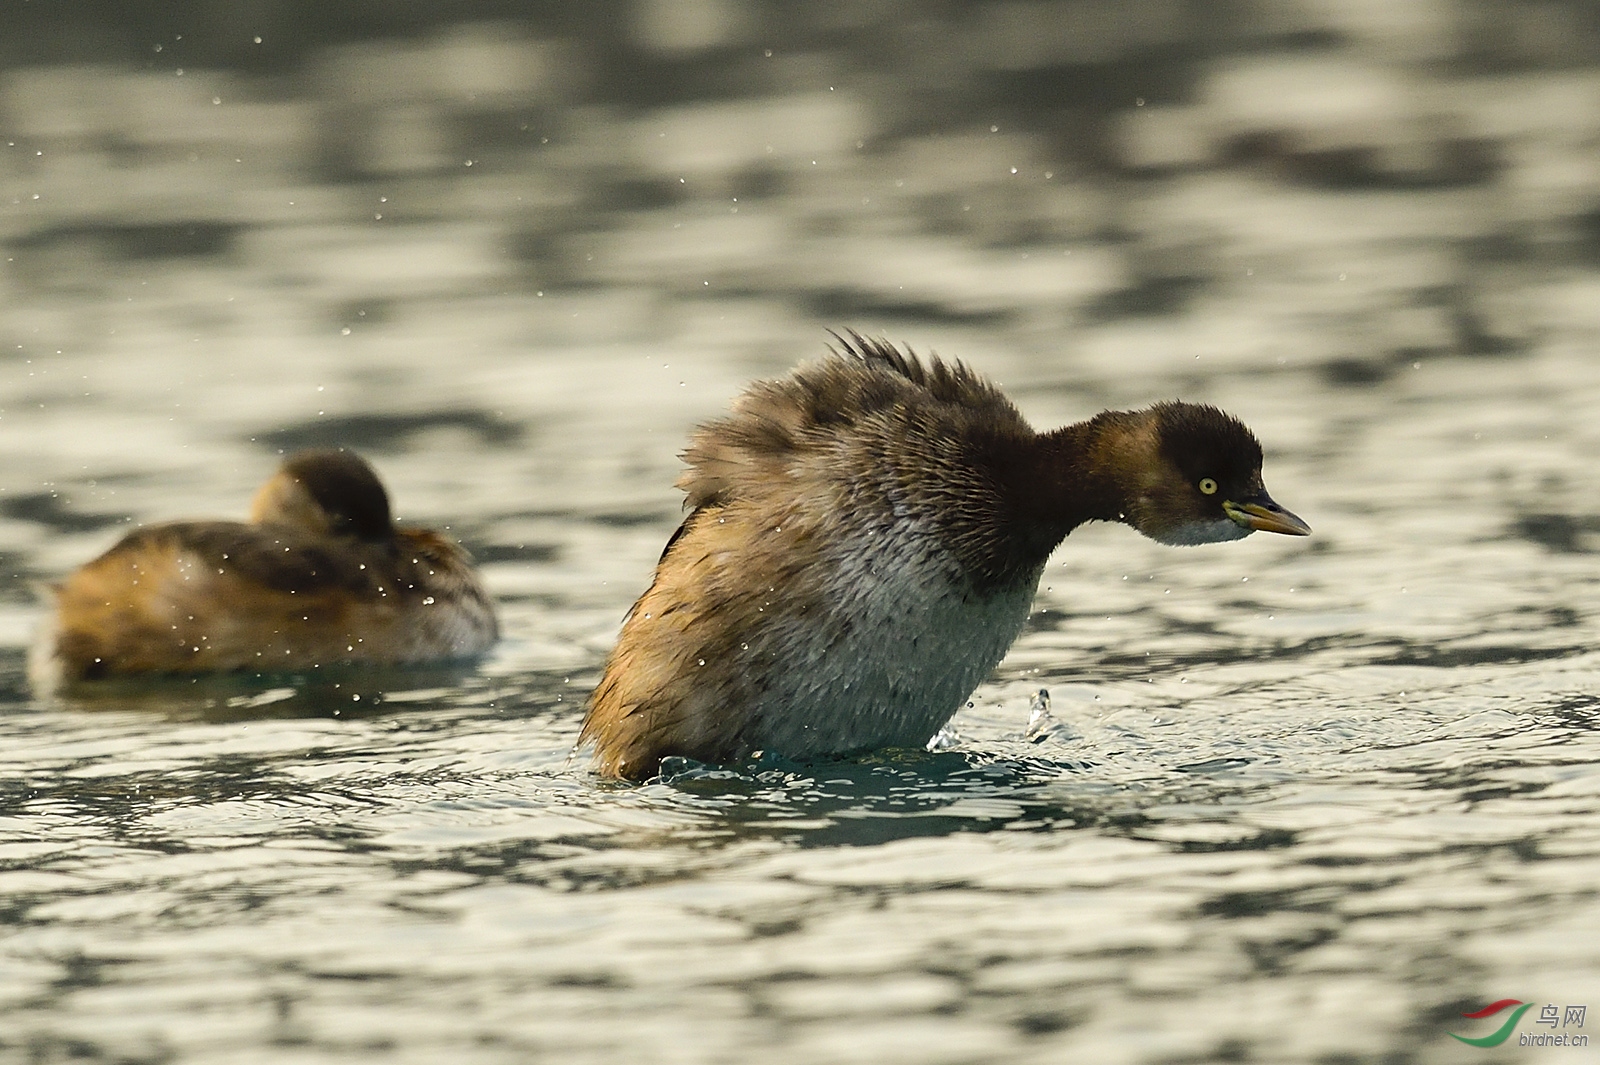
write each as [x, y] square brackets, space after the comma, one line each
[1261, 514]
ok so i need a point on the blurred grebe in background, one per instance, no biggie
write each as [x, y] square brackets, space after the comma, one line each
[319, 575]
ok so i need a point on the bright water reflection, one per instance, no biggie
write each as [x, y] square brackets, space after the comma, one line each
[1296, 801]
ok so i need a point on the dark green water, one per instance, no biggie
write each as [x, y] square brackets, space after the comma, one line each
[1299, 800]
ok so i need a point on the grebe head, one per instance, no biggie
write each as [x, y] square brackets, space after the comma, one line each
[331, 493]
[1198, 480]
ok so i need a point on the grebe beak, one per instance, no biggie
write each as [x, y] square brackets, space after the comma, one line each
[1262, 514]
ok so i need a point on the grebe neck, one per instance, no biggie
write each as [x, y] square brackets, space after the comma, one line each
[1088, 471]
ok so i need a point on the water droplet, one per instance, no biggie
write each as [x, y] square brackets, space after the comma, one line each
[1040, 722]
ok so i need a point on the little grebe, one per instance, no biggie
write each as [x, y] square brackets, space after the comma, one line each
[864, 541]
[319, 575]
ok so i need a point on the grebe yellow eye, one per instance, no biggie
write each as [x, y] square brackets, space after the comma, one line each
[1208, 486]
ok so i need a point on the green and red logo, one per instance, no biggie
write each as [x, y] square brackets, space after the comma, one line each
[1501, 1034]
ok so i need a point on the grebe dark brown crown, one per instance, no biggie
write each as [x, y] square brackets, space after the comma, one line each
[347, 490]
[334, 493]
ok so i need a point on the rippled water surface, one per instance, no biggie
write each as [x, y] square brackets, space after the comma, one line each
[1293, 800]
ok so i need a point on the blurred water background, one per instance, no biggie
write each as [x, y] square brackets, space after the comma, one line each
[1300, 801]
